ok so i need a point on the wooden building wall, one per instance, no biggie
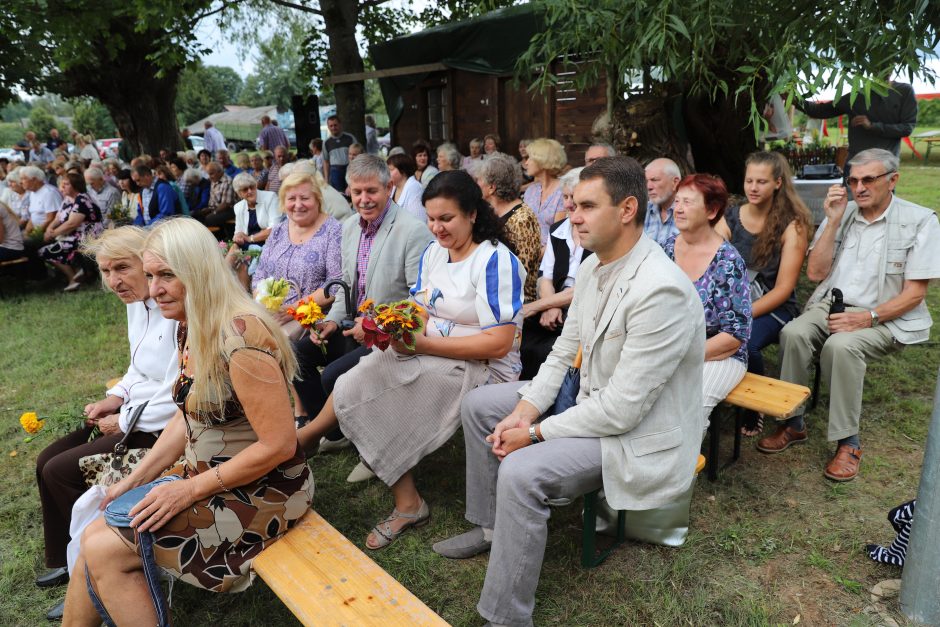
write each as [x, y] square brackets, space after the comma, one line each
[478, 104]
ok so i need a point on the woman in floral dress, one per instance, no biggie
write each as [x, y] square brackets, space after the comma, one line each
[243, 480]
[720, 277]
[78, 218]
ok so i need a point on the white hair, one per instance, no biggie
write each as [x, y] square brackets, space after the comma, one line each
[570, 178]
[32, 172]
[243, 181]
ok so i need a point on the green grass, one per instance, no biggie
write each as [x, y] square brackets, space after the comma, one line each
[770, 540]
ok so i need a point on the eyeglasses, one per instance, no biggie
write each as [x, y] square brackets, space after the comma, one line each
[866, 180]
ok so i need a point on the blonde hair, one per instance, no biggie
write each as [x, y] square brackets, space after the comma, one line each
[214, 298]
[124, 242]
[297, 177]
[548, 153]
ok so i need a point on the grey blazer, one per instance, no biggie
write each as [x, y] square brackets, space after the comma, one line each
[641, 377]
[393, 261]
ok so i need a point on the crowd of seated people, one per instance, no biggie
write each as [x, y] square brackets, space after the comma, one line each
[514, 279]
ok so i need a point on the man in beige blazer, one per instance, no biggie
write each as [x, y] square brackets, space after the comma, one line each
[637, 426]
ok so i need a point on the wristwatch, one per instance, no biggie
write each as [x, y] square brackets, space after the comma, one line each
[533, 436]
[874, 318]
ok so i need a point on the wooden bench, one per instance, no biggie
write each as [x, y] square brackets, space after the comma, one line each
[771, 397]
[7, 267]
[324, 579]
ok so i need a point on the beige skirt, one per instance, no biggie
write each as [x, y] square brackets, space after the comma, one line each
[398, 408]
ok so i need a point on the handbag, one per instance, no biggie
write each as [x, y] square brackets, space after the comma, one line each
[106, 469]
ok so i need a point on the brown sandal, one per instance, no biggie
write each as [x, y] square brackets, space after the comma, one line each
[844, 464]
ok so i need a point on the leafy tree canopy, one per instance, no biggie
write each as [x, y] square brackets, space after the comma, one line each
[91, 117]
[279, 62]
[205, 89]
[739, 48]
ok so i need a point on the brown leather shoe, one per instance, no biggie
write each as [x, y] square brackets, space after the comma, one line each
[781, 439]
[844, 464]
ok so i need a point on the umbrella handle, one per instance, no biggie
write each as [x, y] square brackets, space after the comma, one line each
[577, 359]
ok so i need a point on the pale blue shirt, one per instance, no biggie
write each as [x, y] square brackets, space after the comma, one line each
[655, 228]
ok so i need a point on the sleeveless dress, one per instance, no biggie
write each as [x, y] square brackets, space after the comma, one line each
[743, 240]
[212, 543]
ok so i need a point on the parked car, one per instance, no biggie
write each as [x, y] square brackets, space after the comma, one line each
[11, 155]
[198, 142]
[108, 148]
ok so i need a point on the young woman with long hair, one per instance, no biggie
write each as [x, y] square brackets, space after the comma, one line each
[771, 232]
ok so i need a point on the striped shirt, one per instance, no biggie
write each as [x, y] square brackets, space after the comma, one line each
[366, 239]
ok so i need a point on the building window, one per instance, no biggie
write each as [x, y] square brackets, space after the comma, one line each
[438, 129]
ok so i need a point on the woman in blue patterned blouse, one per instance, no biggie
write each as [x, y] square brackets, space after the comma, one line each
[720, 277]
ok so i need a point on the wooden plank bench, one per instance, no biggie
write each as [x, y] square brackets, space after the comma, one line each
[325, 580]
[771, 397]
[8, 267]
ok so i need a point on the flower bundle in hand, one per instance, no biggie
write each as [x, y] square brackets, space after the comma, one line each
[272, 292]
[308, 313]
[401, 321]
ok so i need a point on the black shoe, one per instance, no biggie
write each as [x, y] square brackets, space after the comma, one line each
[55, 577]
[56, 612]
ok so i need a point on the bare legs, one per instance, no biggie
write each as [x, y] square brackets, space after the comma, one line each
[118, 578]
[407, 501]
[310, 434]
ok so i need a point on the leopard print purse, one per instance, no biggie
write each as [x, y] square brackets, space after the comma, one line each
[106, 469]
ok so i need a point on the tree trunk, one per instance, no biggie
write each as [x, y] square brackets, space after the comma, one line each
[340, 18]
[642, 127]
[141, 103]
[721, 137]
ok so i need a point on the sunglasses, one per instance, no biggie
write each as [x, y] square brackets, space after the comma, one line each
[866, 180]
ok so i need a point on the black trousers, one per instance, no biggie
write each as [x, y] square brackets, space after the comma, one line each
[61, 483]
[310, 386]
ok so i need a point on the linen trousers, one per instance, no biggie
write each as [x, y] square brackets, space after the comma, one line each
[843, 358]
[718, 379]
[513, 497]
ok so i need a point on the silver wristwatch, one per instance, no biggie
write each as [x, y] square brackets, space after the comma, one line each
[874, 318]
[532, 435]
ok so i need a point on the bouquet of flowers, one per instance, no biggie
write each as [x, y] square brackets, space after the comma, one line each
[307, 312]
[272, 292]
[401, 321]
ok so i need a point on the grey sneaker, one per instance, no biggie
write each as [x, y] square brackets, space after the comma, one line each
[463, 546]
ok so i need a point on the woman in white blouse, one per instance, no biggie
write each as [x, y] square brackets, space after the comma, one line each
[256, 213]
[149, 378]
[408, 190]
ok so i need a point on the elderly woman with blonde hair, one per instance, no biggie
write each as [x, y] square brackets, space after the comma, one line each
[334, 203]
[305, 249]
[546, 161]
[243, 480]
[147, 382]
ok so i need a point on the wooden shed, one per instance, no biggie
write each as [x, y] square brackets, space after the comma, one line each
[455, 83]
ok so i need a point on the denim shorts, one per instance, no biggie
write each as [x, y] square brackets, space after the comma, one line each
[116, 514]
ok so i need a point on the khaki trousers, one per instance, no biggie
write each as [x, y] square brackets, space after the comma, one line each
[843, 358]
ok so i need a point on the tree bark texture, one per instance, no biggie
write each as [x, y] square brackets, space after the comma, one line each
[340, 18]
[141, 103]
[643, 127]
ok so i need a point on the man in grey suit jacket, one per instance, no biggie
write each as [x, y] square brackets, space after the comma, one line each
[381, 250]
[637, 426]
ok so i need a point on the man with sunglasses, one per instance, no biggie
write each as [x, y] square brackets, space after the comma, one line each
[879, 251]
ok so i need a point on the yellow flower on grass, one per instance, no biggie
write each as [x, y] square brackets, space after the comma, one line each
[31, 422]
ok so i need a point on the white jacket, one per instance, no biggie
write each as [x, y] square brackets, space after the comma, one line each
[267, 208]
[153, 369]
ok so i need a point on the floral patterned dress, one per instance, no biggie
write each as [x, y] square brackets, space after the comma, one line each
[212, 543]
[725, 294]
[65, 247]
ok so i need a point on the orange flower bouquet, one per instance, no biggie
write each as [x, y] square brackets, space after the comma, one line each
[308, 313]
[401, 321]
